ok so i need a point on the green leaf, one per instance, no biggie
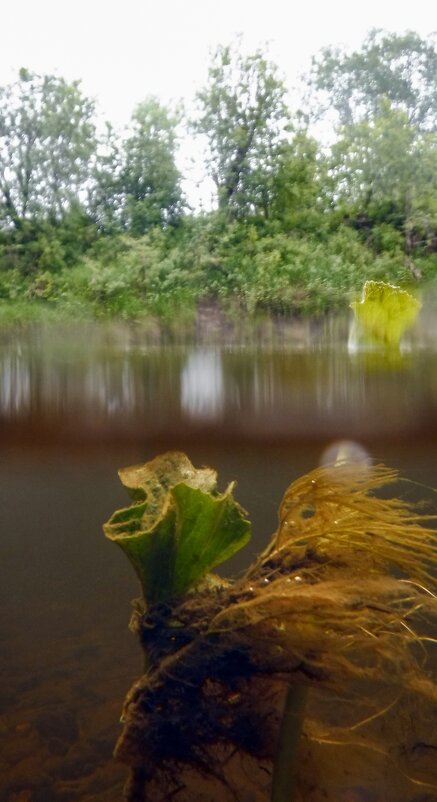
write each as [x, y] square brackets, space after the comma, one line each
[180, 527]
[210, 530]
[385, 312]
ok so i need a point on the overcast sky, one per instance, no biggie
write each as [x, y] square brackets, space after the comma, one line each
[124, 50]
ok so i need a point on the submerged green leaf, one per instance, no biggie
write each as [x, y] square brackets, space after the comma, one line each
[180, 526]
[385, 312]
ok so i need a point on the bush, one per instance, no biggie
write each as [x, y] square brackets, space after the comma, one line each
[142, 276]
[12, 285]
[289, 274]
[256, 266]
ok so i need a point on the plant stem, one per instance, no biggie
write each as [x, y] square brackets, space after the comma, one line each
[284, 768]
[135, 788]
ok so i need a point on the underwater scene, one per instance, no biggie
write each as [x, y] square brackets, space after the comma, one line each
[264, 641]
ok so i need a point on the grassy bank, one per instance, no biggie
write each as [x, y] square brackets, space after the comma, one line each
[248, 271]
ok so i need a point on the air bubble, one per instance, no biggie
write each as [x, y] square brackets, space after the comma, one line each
[346, 452]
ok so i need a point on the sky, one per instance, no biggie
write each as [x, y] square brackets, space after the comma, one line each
[124, 50]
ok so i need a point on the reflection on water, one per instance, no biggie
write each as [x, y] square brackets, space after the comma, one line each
[88, 380]
[15, 383]
[203, 385]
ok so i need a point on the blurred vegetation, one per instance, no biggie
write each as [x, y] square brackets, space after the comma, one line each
[95, 222]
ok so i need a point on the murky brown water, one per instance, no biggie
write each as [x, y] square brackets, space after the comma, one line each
[77, 404]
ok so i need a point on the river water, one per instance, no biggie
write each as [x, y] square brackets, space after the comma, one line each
[78, 402]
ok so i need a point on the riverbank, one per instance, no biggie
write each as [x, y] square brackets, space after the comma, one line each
[245, 274]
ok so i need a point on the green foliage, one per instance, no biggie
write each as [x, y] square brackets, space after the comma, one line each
[385, 312]
[384, 162]
[137, 185]
[180, 526]
[240, 264]
[243, 115]
[102, 225]
[386, 238]
[298, 201]
[12, 285]
[287, 274]
[105, 196]
[134, 276]
[46, 245]
[400, 68]
[383, 172]
[150, 179]
[47, 138]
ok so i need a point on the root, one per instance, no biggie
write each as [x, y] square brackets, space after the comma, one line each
[342, 597]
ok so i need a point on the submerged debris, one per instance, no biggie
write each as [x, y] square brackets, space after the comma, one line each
[341, 601]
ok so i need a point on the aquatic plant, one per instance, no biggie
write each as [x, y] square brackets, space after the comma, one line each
[385, 312]
[338, 605]
[180, 526]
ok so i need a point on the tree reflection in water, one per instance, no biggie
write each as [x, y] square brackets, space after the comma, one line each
[203, 385]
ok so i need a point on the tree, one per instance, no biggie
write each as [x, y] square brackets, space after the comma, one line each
[299, 185]
[150, 179]
[243, 115]
[47, 137]
[399, 67]
[384, 171]
[106, 196]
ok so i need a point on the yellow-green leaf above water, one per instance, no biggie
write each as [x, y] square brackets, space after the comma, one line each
[180, 527]
[385, 312]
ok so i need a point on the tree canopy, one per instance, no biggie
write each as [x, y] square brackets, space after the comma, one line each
[151, 181]
[47, 137]
[401, 68]
[385, 171]
[296, 224]
[137, 184]
[243, 115]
